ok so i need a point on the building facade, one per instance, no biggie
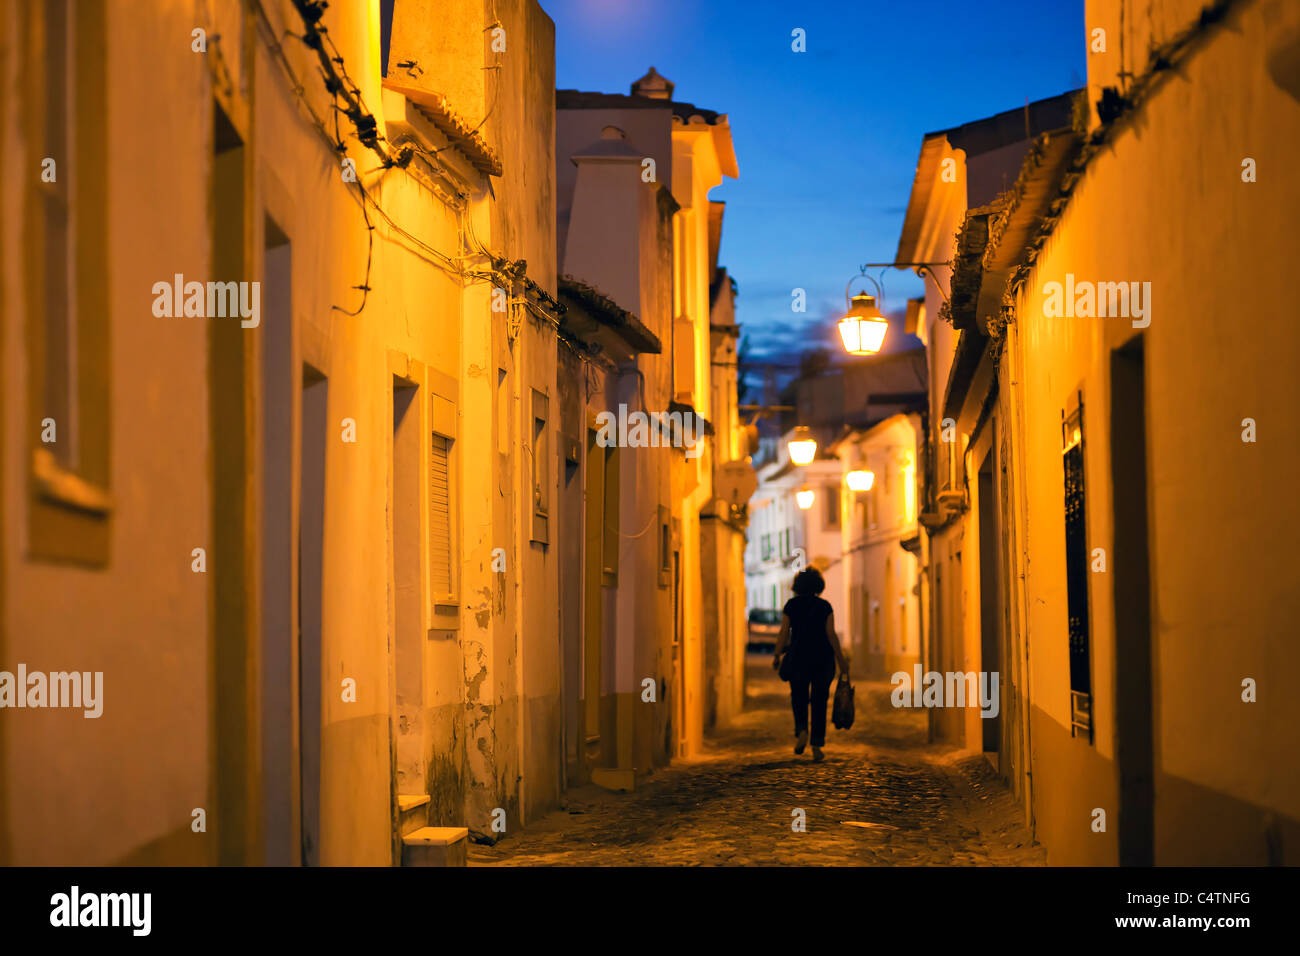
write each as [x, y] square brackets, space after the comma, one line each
[302, 461]
[879, 543]
[1066, 427]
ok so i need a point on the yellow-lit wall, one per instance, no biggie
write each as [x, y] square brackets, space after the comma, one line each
[1165, 203]
[122, 788]
[877, 570]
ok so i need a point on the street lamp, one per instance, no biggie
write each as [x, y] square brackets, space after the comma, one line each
[860, 480]
[804, 498]
[864, 326]
[803, 447]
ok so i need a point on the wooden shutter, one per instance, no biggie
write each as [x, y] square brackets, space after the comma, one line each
[440, 578]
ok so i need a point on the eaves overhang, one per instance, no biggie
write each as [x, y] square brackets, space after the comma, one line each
[466, 138]
[927, 171]
[599, 320]
[1018, 219]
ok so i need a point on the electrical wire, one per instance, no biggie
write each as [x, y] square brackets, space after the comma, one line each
[340, 84]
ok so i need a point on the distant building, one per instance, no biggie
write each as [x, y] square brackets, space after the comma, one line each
[879, 543]
[857, 412]
[637, 227]
[352, 564]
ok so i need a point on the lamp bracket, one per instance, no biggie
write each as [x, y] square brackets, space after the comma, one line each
[922, 269]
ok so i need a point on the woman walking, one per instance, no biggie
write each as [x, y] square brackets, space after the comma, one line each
[810, 650]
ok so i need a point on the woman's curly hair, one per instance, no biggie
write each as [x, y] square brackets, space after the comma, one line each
[809, 582]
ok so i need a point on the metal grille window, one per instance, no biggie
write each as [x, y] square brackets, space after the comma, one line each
[440, 579]
[1076, 571]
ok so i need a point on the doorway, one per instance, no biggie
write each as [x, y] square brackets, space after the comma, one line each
[1130, 577]
[405, 610]
[311, 597]
[280, 794]
[592, 601]
[990, 606]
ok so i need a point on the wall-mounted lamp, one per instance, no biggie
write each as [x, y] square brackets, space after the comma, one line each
[803, 447]
[863, 328]
[804, 497]
[860, 480]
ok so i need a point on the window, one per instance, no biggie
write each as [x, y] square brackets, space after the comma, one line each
[863, 620]
[1076, 571]
[832, 500]
[665, 548]
[440, 514]
[66, 287]
[883, 638]
[909, 489]
[58, 248]
[902, 624]
[949, 456]
[443, 578]
[385, 33]
[609, 549]
[541, 469]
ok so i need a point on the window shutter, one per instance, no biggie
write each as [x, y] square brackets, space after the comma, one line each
[440, 581]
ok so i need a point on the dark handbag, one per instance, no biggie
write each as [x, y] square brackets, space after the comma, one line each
[786, 670]
[842, 711]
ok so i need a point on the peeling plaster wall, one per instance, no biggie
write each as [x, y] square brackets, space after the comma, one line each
[513, 661]
[413, 310]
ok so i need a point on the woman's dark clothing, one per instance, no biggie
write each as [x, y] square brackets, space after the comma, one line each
[813, 663]
[799, 700]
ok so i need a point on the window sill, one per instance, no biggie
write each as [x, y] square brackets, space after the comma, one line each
[59, 486]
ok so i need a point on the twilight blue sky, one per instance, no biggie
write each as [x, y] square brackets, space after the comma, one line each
[827, 140]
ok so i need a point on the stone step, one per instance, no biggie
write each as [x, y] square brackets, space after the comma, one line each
[413, 811]
[436, 846]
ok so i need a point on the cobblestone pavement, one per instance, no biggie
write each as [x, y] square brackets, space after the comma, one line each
[733, 805]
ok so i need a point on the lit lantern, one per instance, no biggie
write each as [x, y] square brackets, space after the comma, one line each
[863, 328]
[860, 480]
[804, 497]
[803, 447]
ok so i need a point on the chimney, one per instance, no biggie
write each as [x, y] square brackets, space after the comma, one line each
[653, 86]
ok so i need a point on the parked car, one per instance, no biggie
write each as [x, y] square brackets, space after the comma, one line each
[764, 626]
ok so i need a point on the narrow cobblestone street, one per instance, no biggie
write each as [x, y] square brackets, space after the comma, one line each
[920, 804]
